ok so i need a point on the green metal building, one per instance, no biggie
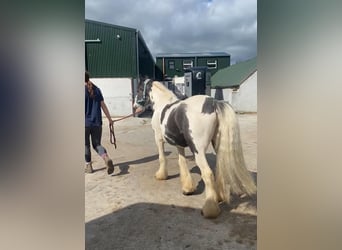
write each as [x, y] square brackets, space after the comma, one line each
[113, 51]
[172, 64]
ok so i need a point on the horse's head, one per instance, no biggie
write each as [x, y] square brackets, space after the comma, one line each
[142, 99]
[153, 93]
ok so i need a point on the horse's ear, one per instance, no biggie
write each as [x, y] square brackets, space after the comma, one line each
[147, 81]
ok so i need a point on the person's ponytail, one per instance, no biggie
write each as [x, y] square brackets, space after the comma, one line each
[89, 85]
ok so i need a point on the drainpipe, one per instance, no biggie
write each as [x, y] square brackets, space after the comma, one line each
[154, 69]
[137, 65]
[137, 51]
[163, 68]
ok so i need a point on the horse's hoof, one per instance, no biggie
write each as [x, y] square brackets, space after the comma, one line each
[210, 209]
[160, 177]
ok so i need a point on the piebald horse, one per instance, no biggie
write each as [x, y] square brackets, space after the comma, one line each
[195, 123]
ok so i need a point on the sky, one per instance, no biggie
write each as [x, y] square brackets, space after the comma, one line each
[171, 26]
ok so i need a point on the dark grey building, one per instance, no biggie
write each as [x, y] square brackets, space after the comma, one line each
[171, 64]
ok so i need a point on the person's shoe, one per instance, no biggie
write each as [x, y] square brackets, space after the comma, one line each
[88, 168]
[109, 164]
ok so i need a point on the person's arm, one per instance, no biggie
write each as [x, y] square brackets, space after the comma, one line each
[105, 110]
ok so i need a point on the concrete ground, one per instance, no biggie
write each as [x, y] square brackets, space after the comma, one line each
[130, 209]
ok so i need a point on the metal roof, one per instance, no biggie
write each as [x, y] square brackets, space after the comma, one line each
[111, 25]
[192, 54]
[234, 75]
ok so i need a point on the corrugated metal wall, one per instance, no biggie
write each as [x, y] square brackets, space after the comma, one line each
[114, 56]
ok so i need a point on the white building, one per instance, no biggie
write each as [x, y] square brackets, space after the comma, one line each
[237, 85]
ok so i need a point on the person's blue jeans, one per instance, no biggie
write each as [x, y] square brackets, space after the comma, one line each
[95, 133]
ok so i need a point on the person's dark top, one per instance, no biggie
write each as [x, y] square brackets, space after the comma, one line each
[93, 115]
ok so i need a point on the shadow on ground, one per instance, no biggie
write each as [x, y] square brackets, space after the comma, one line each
[124, 166]
[156, 226]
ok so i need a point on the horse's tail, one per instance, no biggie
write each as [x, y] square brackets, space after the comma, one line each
[231, 172]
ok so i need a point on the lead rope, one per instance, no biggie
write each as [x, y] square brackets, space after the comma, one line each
[112, 135]
[111, 128]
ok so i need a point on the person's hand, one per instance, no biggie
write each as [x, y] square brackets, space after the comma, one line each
[110, 121]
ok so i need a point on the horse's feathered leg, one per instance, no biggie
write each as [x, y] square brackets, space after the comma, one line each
[161, 174]
[210, 208]
[185, 176]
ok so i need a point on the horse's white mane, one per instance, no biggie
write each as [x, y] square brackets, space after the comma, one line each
[165, 92]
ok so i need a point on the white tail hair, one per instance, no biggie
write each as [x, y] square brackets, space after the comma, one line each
[231, 172]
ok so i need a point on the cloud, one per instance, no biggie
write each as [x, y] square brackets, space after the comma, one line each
[185, 26]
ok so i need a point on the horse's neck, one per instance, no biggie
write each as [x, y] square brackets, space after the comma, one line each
[162, 102]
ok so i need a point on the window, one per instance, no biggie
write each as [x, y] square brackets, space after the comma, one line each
[212, 64]
[171, 64]
[187, 64]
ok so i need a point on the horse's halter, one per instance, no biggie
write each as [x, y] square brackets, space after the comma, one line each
[144, 100]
